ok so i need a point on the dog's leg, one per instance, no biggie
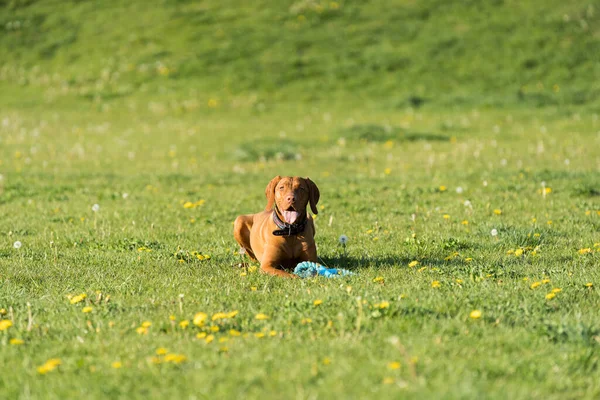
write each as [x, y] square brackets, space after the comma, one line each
[241, 232]
[270, 262]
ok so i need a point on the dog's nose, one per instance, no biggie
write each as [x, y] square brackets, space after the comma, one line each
[291, 198]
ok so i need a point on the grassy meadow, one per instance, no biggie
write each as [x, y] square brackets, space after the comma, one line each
[457, 146]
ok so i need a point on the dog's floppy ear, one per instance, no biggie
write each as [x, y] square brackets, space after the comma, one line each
[313, 195]
[270, 192]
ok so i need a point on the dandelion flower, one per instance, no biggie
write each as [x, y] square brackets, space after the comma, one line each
[209, 338]
[16, 342]
[394, 365]
[261, 317]
[201, 335]
[550, 296]
[379, 279]
[475, 314]
[535, 285]
[17, 244]
[95, 208]
[317, 302]
[442, 188]
[200, 318]
[49, 366]
[146, 324]
[343, 240]
[184, 324]
[235, 333]
[161, 351]
[589, 284]
[497, 211]
[116, 364]
[436, 284]
[518, 252]
[87, 309]
[78, 298]
[556, 290]
[5, 324]
[383, 304]
[494, 232]
[585, 251]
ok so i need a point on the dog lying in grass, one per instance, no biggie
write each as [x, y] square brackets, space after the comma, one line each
[284, 234]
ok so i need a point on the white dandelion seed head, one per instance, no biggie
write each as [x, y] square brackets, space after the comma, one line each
[459, 190]
[494, 232]
[17, 244]
[467, 203]
[125, 195]
[343, 239]
[485, 183]
[95, 208]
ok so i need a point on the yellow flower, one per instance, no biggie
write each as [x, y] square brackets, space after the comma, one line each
[259, 335]
[252, 268]
[518, 252]
[468, 259]
[184, 324]
[550, 296]
[446, 216]
[5, 324]
[545, 280]
[413, 264]
[394, 365]
[2, 311]
[200, 318]
[49, 366]
[219, 315]
[161, 351]
[459, 281]
[556, 290]
[317, 302]
[326, 361]
[146, 324]
[465, 222]
[175, 358]
[212, 103]
[78, 298]
[589, 284]
[209, 338]
[436, 284]
[172, 317]
[201, 335]
[306, 321]
[116, 364]
[383, 304]
[585, 251]
[475, 314]
[387, 171]
[421, 269]
[16, 342]
[261, 317]
[379, 279]
[141, 330]
[232, 314]
[443, 188]
[273, 333]
[535, 284]
[497, 211]
[253, 288]
[234, 332]
[223, 339]
[87, 309]
[214, 328]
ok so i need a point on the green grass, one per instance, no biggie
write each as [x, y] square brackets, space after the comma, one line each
[395, 165]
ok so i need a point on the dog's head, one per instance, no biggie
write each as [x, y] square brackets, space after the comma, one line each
[292, 195]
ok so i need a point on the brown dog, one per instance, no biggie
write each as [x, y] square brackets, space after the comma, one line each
[284, 236]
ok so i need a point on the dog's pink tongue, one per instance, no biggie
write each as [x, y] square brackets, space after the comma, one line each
[290, 216]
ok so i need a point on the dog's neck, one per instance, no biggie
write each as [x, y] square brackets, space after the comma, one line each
[286, 229]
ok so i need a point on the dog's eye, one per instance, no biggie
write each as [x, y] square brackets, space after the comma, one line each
[281, 188]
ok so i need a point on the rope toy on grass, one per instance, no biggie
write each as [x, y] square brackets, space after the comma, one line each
[307, 269]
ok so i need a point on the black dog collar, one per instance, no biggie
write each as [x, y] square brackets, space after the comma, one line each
[286, 229]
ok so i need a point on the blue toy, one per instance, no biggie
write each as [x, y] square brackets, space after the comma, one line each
[307, 269]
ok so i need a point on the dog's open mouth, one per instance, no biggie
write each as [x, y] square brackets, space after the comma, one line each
[290, 215]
